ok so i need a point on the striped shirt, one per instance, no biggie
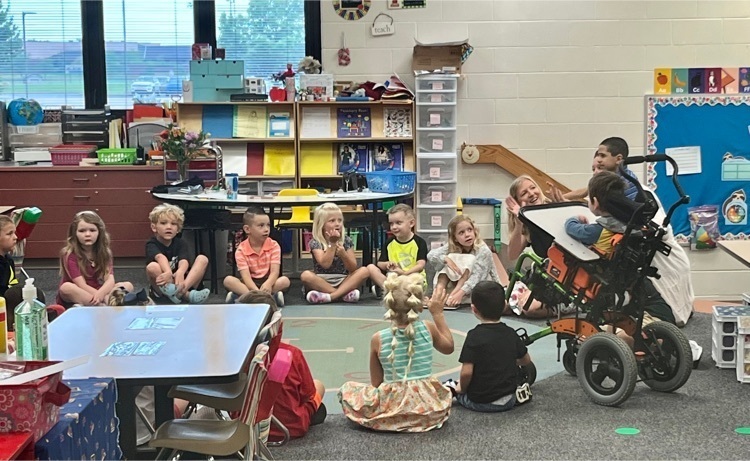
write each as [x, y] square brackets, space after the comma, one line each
[258, 264]
[421, 362]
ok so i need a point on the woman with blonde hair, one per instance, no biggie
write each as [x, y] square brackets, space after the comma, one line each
[403, 395]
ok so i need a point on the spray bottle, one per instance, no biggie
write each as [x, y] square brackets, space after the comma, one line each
[31, 325]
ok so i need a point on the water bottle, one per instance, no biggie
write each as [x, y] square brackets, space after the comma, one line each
[31, 325]
[233, 184]
[3, 327]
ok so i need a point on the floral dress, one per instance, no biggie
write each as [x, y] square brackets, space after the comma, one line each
[410, 399]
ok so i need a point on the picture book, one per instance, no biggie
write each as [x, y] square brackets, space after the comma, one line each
[397, 122]
[249, 122]
[695, 81]
[744, 79]
[354, 122]
[387, 156]
[679, 81]
[316, 159]
[279, 125]
[353, 157]
[662, 81]
[218, 120]
[712, 82]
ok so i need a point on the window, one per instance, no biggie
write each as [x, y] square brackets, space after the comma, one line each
[40, 51]
[148, 49]
[266, 34]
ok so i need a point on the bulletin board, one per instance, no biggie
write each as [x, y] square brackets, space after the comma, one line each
[720, 126]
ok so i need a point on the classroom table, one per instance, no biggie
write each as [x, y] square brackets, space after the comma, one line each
[368, 200]
[183, 344]
[740, 249]
[88, 427]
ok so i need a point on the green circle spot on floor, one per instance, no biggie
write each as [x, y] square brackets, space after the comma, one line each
[627, 431]
[743, 430]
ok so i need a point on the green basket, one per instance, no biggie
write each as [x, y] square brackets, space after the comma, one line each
[116, 156]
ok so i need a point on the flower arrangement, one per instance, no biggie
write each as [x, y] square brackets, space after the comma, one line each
[182, 146]
[309, 65]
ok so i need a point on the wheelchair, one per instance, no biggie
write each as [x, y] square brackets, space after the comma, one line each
[606, 290]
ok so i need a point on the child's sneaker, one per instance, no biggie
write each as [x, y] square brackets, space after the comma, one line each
[231, 298]
[523, 394]
[279, 298]
[377, 291]
[316, 297]
[351, 297]
[198, 296]
[170, 291]
[452, 386]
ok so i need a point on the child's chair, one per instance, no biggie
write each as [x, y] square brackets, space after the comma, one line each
[299, 220]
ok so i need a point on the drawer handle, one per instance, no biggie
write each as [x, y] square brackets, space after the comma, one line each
[81, 196]
[81, 179]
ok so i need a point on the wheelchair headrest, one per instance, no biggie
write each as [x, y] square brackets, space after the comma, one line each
[633, 213]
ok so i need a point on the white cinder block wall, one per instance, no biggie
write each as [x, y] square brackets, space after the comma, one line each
[550, 79]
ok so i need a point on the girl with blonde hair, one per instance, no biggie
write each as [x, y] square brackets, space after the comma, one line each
[336, 274]
[403, 395]
[463, 262]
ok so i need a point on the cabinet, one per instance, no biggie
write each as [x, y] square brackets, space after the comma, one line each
[437, 158]
[119, 194]
[257, 140]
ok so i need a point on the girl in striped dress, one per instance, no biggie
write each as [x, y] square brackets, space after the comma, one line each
[403, 395]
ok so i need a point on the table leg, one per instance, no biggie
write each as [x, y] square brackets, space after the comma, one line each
[216, 259]
[126, 414]
[163, 405]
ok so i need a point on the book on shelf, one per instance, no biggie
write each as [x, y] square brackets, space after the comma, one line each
[353, 157]
[387, 156]
[255, 157]
[397, 122]
[316, 122]
[218, 120]
[316, 159]
[249, 122]
[353, 122]
[278, 160]
[279, 124]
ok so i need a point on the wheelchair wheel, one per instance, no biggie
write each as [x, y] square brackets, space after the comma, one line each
[671, 365]
[606, 369]
[528, 373]
[569, 362]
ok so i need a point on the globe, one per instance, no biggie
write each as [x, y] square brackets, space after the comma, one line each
[25, 112]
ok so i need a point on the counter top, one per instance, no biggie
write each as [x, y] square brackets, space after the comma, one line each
[47, 166]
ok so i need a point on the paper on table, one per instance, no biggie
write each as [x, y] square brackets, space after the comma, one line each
[688, 159]
[316, 122]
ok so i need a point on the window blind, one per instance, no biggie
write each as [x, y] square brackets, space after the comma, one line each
[266, 34]
[148, 50]
[40, 52]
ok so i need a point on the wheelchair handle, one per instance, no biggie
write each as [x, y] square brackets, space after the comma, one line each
[684, 198]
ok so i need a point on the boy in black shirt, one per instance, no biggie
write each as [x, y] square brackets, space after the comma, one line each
[491, 356]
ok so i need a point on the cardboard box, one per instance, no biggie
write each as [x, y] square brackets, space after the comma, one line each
[437, 56]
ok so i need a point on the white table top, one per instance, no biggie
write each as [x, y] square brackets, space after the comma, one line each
[219, 198]
[211, 341]
[552, 220]
[740, 249]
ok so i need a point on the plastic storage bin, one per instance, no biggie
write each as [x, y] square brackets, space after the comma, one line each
[436, 167]
[437, 116]
[390, 181]
[437, 83]
[42, 135]
[743, 350]
[124, 156]
[435, 218]
[439, 141]
[437, 194]
[434, 239]
[70, 154]
[273, 186]
[435, 97]
[249, 187]
[724, 325]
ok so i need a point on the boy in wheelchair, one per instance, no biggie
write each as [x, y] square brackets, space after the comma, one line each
[606, 190]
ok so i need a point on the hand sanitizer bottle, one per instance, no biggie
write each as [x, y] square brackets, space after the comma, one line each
[31, 325]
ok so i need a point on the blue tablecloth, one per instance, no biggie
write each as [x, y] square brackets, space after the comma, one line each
[88, 427]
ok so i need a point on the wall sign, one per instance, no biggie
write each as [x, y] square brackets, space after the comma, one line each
[402, 4]
[351, 10]
[384, 26]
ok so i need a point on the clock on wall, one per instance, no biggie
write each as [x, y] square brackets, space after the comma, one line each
[351, 10]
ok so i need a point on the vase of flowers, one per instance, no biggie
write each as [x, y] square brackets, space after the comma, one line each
[182, 146]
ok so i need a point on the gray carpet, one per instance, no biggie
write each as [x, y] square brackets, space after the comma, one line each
[696, 422]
